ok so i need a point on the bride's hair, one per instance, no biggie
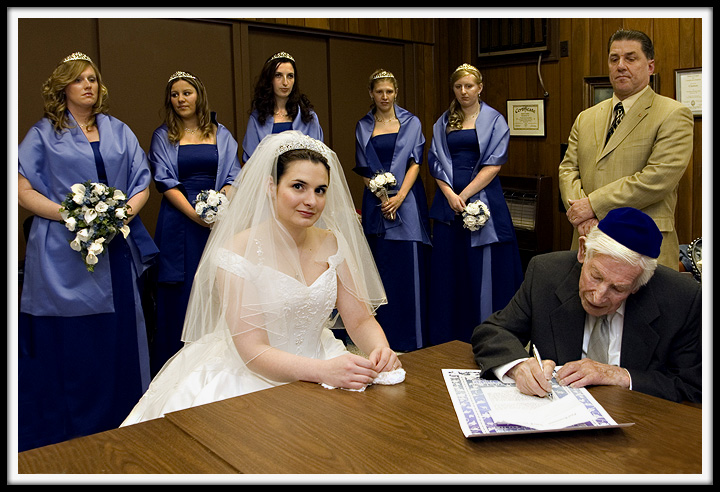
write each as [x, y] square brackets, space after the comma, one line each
[299, 155]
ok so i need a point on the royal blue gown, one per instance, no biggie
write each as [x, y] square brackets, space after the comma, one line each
[468, 283]
[79, 375]
[181, 242]
[402, 264]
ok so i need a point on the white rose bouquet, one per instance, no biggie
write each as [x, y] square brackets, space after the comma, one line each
[380, 184]
[210, 205]
[475, 215]
[96, 213]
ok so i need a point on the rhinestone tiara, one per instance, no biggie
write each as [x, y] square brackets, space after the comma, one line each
[180, 75]
[466, 66]
[281, 54]
[383, 75]
[303, 141]
[77, 56]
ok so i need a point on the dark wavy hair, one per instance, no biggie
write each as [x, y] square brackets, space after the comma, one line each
[264, 98]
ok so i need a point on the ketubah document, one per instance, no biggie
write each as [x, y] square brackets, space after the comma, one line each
[487, 407]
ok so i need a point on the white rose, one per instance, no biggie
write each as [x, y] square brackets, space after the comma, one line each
[380, 179]
[213, 200]
[120, 213]
[209, 217]
[82, 235]
[101, 207]
[390, 178]
[99, 189]
[70, 223]
[95, 247]
[199, 207]
[78, 198]
[473, 208]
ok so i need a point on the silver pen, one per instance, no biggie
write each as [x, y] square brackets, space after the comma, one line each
[539, 361]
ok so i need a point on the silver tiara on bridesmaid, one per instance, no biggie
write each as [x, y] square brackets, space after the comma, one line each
[281, 54]
[181, 75]
[383, 75]
[77, 56]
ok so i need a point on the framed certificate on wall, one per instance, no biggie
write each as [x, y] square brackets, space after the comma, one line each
[688, 88]
[526, 117]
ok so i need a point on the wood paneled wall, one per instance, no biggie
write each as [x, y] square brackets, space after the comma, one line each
[443, 44]
[424, 51]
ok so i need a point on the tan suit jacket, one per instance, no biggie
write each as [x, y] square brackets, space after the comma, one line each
[640, 166]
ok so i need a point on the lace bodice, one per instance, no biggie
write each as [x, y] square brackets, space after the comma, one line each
[296, 313]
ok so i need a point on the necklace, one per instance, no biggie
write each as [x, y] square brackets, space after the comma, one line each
[380, 120]
[475, 115]
[191, 132]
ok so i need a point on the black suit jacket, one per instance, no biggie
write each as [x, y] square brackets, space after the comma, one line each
[661, 344]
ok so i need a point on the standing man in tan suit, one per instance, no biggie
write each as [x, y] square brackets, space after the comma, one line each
[634, 160]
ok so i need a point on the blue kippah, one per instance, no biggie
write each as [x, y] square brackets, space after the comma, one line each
[633, 229]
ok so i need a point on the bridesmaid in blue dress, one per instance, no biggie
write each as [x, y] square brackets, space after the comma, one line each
[473, 273]
[279, 105]
[390, 139]
[190, 152]
[83, 354]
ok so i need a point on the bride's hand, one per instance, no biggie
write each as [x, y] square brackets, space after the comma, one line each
[349, 371]
[385, 359]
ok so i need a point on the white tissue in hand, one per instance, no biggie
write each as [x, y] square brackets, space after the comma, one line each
[390, 377]
[384, 378]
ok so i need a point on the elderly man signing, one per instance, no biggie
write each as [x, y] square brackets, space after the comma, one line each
[646, 317]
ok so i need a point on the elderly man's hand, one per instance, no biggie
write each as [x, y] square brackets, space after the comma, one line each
[587, 372]
[530, 380]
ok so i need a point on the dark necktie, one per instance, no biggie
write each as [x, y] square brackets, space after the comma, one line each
[599, 341]
[618, 114]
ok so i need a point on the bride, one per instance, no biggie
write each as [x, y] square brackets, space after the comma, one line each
[287, 252]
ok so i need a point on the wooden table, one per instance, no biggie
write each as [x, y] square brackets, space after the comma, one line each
[410, 428]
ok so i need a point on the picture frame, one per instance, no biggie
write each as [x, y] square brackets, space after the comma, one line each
[526, 117]
[688, 88]
[597, 88]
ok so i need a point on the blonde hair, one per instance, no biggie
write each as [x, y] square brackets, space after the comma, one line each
[455, 112]
[381, 75]
[53, 93]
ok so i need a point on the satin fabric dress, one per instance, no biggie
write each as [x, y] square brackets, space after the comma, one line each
[83, 357]
[473, 273]
[181, 242]
[210, 369]
[256, 132]
[400, 247]
[402, 263]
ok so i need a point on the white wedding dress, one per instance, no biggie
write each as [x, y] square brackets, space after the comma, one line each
[210, 369]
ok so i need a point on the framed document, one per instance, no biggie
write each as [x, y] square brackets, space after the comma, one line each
[526, 117]
[688, 88]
